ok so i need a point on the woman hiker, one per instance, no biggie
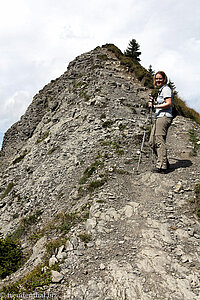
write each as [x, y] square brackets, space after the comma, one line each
[163, 119]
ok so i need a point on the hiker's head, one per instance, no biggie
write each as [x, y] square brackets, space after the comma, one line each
[160, 79]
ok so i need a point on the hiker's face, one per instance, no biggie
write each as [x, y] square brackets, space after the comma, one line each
[159, 80]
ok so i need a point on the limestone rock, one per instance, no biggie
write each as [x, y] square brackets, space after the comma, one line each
[56, 276]
[52, 261]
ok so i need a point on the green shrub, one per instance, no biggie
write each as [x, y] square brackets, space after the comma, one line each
[85, 238]
[53, 245]
[10, 256]
[107, 124]
[96, 184]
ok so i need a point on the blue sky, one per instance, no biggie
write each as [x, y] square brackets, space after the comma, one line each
[40, 37]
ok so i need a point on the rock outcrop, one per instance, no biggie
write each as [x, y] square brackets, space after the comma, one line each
[68, 176]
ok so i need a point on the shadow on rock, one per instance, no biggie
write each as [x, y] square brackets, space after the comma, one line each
[181, 163]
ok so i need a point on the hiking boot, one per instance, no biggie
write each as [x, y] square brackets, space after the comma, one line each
[161, 171]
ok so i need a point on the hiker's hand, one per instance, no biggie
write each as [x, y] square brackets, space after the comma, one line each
[150, 104]
[151, 100]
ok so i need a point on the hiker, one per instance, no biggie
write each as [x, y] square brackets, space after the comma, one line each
[163, 119]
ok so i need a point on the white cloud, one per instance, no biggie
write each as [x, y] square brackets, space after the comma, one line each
[13, 107]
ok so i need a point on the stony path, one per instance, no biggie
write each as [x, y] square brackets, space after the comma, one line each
[145, 239]
[144, 248]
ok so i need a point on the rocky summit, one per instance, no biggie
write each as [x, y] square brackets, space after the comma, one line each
[93, 224]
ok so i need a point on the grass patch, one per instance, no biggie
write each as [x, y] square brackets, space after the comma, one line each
[102, 57]
[85, 238]
[107, 124]
[194, 139]
[50, 151]
[25, 225]
[197, 199]
[39, 277]
[53, 245]
[90, 170]
[7, 190]
[96, 184]
[44, 136]
[120, 171]
[69, 220]
[114, 145]
[21, 157]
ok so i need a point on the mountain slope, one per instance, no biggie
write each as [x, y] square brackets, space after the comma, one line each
[75, 197]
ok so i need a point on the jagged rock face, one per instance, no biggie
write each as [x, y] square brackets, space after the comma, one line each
[69, 123]
[75, 151]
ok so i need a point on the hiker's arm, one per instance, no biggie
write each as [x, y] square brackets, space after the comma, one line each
[168, 102]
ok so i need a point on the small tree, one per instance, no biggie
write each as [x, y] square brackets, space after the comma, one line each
[172, 87]
[151, 71]
[132, 50]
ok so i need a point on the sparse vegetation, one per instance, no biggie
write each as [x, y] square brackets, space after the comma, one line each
[107, 124]
[116, 145]
[39, 277]
[25, 225]
[90, 170]
[197, 199]
[122, 127]
[44, 136]
[7, 190]
[53, 149]
[120, 171]
[133, 66]
[19, 158]
[102, 57]
[85, 238]
[53, 245]
[96, 184]
[194, 139]
[10, 256]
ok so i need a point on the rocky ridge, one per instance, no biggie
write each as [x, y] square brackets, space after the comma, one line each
[75, 153]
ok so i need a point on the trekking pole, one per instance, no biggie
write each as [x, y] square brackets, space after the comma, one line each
[143, 139]
[151, 111]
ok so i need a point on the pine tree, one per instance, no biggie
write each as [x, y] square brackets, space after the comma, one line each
[172, 87]
[150, 70]
[132, 50]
